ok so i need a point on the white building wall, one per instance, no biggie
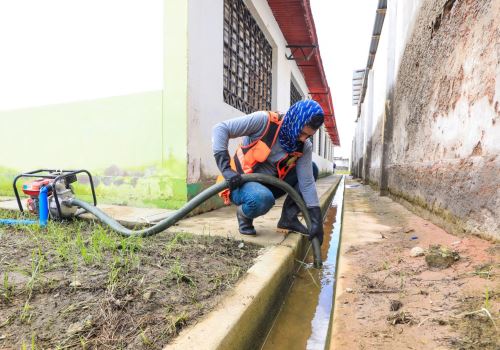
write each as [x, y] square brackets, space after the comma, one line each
[206, 104]
[398, 25]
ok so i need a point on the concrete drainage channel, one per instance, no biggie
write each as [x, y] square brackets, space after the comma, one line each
[244, 318]
[304, 319]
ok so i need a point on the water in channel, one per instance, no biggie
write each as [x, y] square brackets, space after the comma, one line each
[304, 319]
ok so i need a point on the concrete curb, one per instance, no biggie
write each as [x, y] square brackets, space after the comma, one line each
[243, 317]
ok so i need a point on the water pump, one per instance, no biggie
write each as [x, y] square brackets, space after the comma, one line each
[59, 191]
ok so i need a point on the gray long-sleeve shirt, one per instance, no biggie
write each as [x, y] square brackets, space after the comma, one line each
[251, 127]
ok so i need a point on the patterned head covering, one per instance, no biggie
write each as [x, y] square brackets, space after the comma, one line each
[295, 118]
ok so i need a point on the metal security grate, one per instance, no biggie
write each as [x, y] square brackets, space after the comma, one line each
[295, 95]
[247, 60]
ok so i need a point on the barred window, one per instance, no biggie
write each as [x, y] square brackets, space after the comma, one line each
[247, 60]
[295, 95]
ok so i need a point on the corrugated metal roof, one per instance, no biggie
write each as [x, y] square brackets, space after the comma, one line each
[377, 30]
[357, 84]
[296, 22]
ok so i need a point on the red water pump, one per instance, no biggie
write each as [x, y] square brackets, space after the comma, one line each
[32, 189]
[60, 191]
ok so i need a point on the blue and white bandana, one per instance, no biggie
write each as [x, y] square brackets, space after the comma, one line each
[295, 118]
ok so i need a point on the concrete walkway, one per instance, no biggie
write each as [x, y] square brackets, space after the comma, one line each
[220, 222]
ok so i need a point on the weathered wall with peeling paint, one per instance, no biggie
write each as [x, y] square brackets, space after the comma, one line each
[440, 126]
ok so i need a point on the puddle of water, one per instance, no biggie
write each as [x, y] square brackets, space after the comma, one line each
[304, 319]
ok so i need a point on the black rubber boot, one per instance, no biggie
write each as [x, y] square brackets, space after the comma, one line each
[246, 224]
[289, 221]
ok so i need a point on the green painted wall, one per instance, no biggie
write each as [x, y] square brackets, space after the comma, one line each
[175, 80]
[119, 140]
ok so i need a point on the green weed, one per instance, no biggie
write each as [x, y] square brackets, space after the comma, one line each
[175, 323]
[114, 273]
[83, 343]
[144, 338]
[7, 289]
[180, 238]
[487, 304]
[235, 273]
[178, 274]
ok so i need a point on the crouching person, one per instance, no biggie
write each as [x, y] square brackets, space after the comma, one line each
[276, 146]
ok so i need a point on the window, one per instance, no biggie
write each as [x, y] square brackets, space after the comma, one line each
[247, 60]
[295, 95]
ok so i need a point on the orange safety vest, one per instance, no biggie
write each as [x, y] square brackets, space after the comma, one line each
[247, 157]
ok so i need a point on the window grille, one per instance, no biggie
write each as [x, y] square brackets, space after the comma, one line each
[247, 60]
[295, 95]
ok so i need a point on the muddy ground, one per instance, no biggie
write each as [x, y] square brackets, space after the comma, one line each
[388, 299]
[76, 285]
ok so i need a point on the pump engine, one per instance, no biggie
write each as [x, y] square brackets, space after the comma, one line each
[63, 189]
[59, 191]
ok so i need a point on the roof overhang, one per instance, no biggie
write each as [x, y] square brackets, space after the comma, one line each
[296, 22]
[377, 31]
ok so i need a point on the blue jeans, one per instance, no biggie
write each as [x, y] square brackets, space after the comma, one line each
[257, 199]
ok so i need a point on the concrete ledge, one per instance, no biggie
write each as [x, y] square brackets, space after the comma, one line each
[243, 317]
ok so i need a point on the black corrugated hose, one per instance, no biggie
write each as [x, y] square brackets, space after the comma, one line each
[198, 200]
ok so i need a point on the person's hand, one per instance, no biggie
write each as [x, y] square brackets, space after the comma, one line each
[316, 224]
[233, 179]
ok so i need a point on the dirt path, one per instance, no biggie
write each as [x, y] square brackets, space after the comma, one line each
[387, 299]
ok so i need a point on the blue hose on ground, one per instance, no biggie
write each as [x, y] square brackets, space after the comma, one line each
[13, 222]
[195, 202]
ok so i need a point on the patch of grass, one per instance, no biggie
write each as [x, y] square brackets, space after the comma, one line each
[83, 343]
[176, 322]
[145, 339]
[178, 274]
[114, 274]
[37, 266]
[7, 288]
[484, 271]
[217, 282]
[476, 323]
[180, 238]
[235, 273]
